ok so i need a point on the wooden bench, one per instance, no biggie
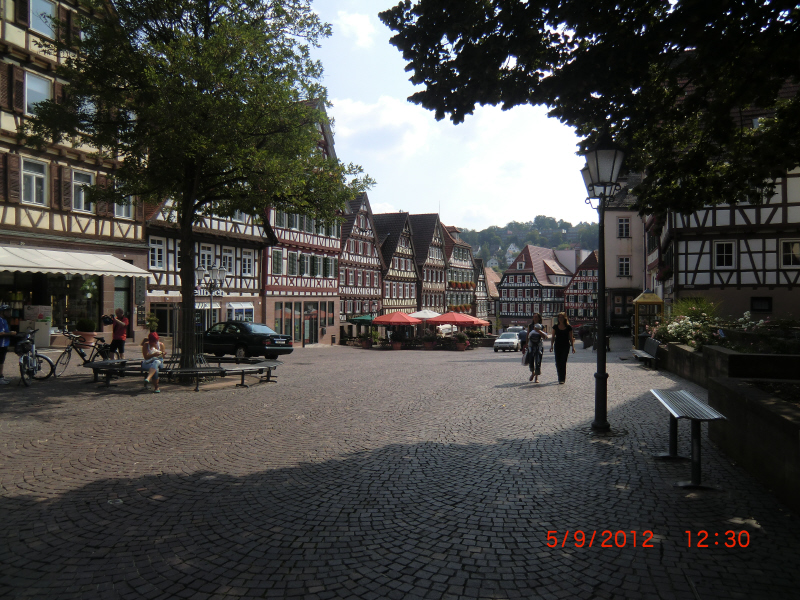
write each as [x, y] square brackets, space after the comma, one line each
[650, 352]
[683, 405]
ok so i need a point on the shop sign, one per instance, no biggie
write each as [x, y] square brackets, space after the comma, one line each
[205, 293]
[38, 313]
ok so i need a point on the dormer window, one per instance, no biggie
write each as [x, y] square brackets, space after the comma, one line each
[520, 265]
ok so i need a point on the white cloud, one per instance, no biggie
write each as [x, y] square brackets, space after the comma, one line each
[382, 207]
[357, 26]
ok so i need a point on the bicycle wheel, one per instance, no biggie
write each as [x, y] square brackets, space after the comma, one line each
[101, 354]
[63, 361]
[24, 369]
[45, 367]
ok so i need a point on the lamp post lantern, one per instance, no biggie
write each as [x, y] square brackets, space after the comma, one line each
[600, 174]
[211, 280]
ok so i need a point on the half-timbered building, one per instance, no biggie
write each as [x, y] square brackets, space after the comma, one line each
[481, 293]
[492, 279]
[460, 272]
[360, 263]
[534, 282]
[86, 256]
[400, 276]
[430, 256]
[301, 283]
[234, 243]
[580, 296]
[746, 257]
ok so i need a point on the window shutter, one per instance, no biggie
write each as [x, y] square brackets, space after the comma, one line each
[104, 208]
[55, 187]
[23, 13]
[66, 189]
[18, 91]
[63, 29]
[6, 86]
[74, 28]
[13, 181]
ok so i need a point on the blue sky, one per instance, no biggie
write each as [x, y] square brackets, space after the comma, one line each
[494, 168]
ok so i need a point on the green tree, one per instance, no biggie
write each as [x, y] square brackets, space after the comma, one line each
[677, 81]
[213, 104]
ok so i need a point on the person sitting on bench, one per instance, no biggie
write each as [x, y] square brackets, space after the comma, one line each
[153, 352]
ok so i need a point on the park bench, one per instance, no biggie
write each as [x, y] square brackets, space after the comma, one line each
[683, 405]
[650, 352]
[113, 368]
[248, 366]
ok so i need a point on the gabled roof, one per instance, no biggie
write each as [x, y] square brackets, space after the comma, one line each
[590, 262]
[352, 209]
[389, 228]
[492, 279]
[423, 226]
[451, 242]
[541, 262]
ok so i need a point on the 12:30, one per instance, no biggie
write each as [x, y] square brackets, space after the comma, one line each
[734, 539]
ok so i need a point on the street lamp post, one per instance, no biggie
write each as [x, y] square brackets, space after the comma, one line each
[603, 163]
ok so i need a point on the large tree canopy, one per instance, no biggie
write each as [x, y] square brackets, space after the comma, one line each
[678, 83]
[214, 104]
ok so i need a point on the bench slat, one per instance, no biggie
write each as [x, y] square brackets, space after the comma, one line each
[683, 405]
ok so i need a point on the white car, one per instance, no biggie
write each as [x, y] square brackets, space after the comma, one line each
[508, 341]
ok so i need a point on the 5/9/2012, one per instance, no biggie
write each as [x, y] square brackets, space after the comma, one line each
[607, 539]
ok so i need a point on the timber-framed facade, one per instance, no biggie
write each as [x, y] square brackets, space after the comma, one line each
[431, 262]
[460, 272]
[400, 276]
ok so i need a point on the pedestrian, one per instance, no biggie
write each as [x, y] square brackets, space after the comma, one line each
[562, 340]
[119, 327]
[535, 348]
[153, 352]
[5, 339]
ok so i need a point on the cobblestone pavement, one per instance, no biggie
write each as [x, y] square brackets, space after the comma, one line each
[374, 474]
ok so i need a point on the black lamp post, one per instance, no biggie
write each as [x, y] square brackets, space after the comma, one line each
[603, 163]
[211, 280]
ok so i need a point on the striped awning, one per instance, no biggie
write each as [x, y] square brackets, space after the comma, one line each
[62, 262]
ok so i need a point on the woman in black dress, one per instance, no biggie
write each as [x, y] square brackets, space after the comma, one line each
[562, 340]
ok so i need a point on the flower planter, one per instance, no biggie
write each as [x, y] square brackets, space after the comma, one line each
[366, 344]
[88, 336]
[460, 347]
[397, 345]
[429, 345]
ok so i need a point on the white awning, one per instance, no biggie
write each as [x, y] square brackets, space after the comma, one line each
[204, 305]
[37, 260]
[240, 305]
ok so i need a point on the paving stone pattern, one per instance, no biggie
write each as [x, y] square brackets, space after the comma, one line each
[373, 474]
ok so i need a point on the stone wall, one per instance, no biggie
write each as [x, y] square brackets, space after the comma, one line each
[715, 361]
[762, 434]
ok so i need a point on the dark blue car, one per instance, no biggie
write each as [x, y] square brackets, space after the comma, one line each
[242, 339]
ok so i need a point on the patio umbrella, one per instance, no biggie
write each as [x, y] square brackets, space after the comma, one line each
[453, 318]
[361, 320]
[396, 318]
[424, 314]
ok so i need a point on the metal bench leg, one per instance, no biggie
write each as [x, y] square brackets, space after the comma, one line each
[197, 383]
[673, 442]
[696, 480]
[243, 384]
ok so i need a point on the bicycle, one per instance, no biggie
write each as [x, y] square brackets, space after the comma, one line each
[32, 365]
[100, 351]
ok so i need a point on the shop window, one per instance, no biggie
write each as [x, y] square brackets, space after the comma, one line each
[761, 304]
[248, 262]
[156, 253]
[330, 313]
[80, 199]
[37, 89]
[34, 187]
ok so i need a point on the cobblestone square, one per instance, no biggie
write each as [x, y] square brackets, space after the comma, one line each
[375, 474]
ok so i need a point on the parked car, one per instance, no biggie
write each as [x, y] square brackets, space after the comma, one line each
[245, 339]
[508, 341]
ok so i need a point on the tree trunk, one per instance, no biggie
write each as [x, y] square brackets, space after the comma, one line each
[188, 337]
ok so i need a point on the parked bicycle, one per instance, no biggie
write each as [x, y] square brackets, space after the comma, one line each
[99, 351]
[32, 365]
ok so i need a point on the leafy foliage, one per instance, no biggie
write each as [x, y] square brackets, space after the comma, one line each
[676, 81]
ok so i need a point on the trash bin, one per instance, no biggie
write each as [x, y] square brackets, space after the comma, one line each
[642, 339]
[588, 341]
[333, 340]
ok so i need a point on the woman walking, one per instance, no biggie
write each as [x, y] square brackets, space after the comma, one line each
[535, 349]
[562, 340]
